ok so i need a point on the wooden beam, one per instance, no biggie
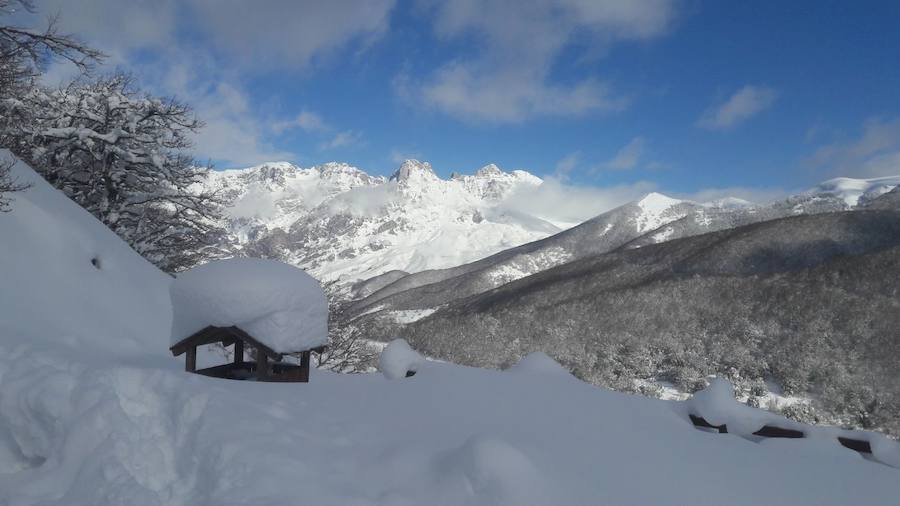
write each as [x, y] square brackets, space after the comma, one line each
[262, 365]
[772, 431]
[190, 361]
[238, 351]
[207, 335]
[699, 421]
[855, 444]
[304, 367]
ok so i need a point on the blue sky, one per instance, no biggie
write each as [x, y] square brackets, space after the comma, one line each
[699, 98]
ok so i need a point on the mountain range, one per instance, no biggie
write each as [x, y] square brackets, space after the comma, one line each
[344, 225]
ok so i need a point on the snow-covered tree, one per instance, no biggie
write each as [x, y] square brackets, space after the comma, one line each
[23, 52]
[120, 153]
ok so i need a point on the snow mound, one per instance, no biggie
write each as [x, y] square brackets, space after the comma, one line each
[398, 358]
[278, 304]
[538, 363]
[488, 471]
[716, 404]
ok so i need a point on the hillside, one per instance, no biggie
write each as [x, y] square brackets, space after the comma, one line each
[808, 303]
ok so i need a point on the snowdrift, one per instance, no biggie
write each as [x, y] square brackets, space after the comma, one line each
[94, 412]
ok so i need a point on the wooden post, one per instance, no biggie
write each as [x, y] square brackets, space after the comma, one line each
[190, 361]
[238, 351]
[262, 365]
[304, 367]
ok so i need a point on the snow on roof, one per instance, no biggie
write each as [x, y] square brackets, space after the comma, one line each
[279, 305]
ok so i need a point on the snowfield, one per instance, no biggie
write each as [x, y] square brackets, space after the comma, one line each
[95, 411]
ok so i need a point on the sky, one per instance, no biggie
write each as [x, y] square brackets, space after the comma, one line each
[689, 97]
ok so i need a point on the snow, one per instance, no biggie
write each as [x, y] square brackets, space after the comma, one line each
[538, 363]
[279, 305]
[95, 411]
[717, 405]
[851, 190]
[52, 292]
[347, 225]
[656, 211]
[408, 316]
[398, 358]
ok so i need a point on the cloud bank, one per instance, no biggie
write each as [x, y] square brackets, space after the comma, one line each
[508, 79]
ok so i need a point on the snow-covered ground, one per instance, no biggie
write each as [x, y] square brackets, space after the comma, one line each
[94, 411]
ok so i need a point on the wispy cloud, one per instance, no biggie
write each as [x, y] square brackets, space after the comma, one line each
[875, 152]
[306, 121]
[627, 157]
[343, 139]
[510, 79]
[741, 106]
[567, 164]
[399, 156]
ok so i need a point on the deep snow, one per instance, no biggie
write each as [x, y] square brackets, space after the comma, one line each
[94, 411]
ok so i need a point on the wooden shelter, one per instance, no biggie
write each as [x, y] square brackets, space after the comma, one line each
[267, 367]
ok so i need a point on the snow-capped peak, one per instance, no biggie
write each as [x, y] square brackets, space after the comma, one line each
[414, 169]
[489, 170]
[657, 202]
[655, 211]
[851, 190]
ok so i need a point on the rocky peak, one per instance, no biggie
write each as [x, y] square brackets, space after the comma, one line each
[414, 169]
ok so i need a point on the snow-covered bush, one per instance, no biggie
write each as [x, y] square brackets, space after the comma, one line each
[121, 155]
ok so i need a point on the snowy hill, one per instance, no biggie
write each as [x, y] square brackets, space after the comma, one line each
[94, 411]
[342, 224]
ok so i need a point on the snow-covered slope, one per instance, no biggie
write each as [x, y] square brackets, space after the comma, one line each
[342, 224]
[68, 281]
[856, 191]
[93, 411]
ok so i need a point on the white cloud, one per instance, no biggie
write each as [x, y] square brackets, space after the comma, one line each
[743, 105]
[556, 201]
[343, 139]
[627, 157]
[288, 33]
[149, 39]
[280, 34]
[876, 152]
[519, 42]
